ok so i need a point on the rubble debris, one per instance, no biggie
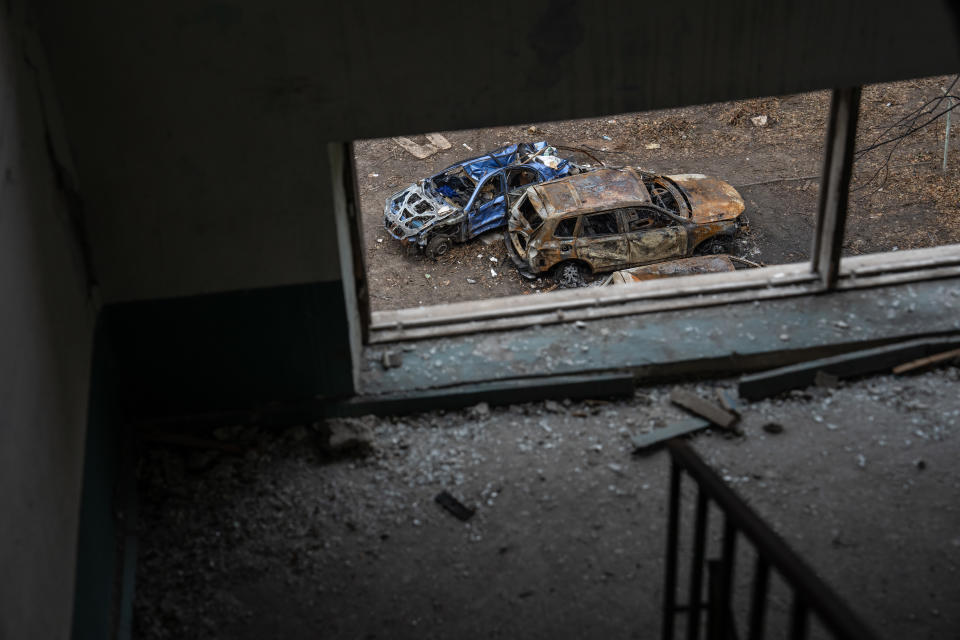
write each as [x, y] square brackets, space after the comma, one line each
[454, 506]
[346, 436]
[922, 364]
[553, 406]
[727, 400]
[435, 142]
[438, 141]
[770, 383]
[824, 379]
[642, 441]
[480, 410]
[704, 408]
[392, 359]
[611, 219]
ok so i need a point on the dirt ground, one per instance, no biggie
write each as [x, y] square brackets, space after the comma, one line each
[916, 205]
[291, 541]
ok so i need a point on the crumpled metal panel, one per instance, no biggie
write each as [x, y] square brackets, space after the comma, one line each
[593, 191]
[682, 267]
[522, 153]
[710, 199]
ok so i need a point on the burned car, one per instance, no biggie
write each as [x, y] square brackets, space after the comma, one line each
[611, 219]
[470, 197]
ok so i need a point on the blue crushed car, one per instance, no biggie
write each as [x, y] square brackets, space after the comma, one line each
[471, 197]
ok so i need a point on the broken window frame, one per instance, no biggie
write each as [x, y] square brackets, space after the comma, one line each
[825, 272]
[614, 214]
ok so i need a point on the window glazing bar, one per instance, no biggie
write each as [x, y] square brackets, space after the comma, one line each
[835, 185]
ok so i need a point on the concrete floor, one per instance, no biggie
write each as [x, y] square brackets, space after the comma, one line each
[292, 541]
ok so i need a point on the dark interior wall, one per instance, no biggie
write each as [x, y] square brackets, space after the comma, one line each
[199, 127]
[46, 322]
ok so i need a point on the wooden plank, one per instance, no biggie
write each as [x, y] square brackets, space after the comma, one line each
[674, 430]
[703, 408]
[929, 361]
[856, 363]
[494, 393]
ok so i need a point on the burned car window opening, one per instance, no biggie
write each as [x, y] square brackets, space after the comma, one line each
[641, 219]
[530, 214]
[490, 190]
[517, 178]
[600, 224]
[456, 186]
[665, 196]
[565, 228]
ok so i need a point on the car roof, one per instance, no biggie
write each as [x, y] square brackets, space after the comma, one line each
[480, 167]
[596, 190]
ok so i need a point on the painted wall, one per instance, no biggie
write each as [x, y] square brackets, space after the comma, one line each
[46, 323]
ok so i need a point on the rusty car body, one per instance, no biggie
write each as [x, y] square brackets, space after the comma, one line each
[611, 219]
[471, 197]
[673, 268]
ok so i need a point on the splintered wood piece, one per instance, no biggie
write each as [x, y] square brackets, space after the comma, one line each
[645, 440]
[703, 408]
[929, 361]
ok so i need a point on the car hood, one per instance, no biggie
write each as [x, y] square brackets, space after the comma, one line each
[409, 212]
[710, 199]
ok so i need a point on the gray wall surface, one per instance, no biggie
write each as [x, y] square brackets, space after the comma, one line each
[46, 323]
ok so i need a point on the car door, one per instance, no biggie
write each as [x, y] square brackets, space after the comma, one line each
[518, 179]
[652, 236]
[600, 241]
[488, 207]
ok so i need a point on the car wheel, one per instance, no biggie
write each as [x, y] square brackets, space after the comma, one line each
[569, 275]
[438, 246]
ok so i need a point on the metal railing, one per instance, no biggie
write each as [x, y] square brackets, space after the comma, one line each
[811, 596]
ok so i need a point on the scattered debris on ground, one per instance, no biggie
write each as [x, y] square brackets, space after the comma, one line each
[704, 408]
[454, 506]
[297, 533]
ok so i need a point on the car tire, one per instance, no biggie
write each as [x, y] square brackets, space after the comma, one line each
[569, 275]
[438, 246]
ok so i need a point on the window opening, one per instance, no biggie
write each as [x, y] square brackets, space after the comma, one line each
[565, 228]
[769, 150]
[599, 224]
